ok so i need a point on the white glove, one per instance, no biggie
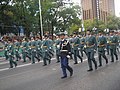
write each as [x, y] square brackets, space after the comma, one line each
[85, 46]
[105, 49]
[58, 46]
[68, 56]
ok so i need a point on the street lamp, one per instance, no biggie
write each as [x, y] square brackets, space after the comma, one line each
[40, 15]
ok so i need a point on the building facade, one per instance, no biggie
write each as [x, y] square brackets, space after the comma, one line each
[97, 9]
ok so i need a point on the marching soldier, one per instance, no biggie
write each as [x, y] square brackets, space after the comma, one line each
[33, 50]
[65, 51]
[76, 45]
[82, 42]
[101, 48]
[118, 38]
[113, 46]
[11, 54]
[71, 45]
[28, 49]
[50, 48]
[6, 50]
[16, 47]
[24, 49]
[57, 46]
[107, 47]
[90, 46]
[45, 49]
[38, 48]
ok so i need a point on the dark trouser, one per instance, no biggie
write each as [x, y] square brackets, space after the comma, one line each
[46, 57]
[113, 52]
[64, 65]
[17, 56]
[39, 54]
[90, 56]
[24, 54]
[107, 49]
[6, 56]
[57, 57]
[76, 54]
[100, 55]
[118, 49]
[33, 56]
[81, 50]
[12, 62]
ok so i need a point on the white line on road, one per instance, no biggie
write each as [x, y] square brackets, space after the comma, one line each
[21, 65]
[4, 63]
[32, 64]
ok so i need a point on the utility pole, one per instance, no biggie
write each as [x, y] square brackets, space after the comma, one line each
[98, 14]
[82, 15]
[40, 20]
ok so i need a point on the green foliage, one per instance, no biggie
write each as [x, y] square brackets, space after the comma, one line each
[113, 22]
[26, 13]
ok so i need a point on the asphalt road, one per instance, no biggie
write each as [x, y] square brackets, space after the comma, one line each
[29, 76]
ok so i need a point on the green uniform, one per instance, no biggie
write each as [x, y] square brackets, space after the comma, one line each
[118, 38]
[51, 48]
[11, 55]
[102, 42]
[6, 51]
[113, 45]
[76, 46]
[71, 46]
[24, 50]
[57, 46]
[82, 42]
[33, 51]
[45, 49]
[16, 48]
[28, 50]
[38, 49]
[90, 46]
[107, 47]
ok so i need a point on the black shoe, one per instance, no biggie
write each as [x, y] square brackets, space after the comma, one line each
[76, 63]
[50, 62]
[99, 65]
[33, 62]
[107, 62]
[117, 59]
[44, 64]
[38, 60]
[81, 60]
[96, 68]
[71, 73]
[57, 61]
[16, 65]
[90, 70]
[63, 77]
[24, 61]
[11, 67]
[112, 61]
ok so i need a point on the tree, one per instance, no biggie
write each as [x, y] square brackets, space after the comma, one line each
[113, 22]
[56, 16]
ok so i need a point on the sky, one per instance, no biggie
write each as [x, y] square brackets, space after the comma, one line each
[117, 6]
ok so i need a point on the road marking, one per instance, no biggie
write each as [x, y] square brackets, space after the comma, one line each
[4, 63]
[37, 62]
[21, 65]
